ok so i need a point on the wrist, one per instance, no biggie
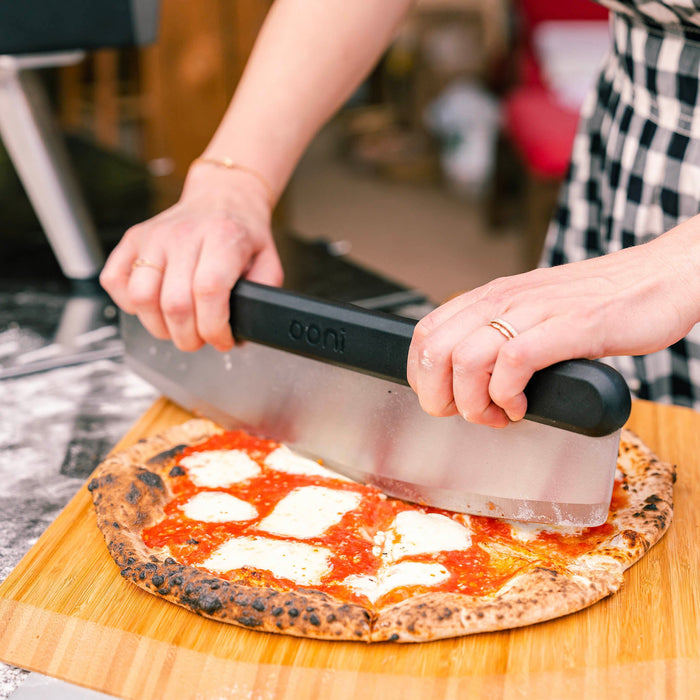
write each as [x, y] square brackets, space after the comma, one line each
[210, 177]
[227, 163]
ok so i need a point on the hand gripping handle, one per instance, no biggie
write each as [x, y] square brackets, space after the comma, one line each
[582, 396]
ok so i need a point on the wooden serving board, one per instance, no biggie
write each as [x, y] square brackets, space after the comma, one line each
[65, 611]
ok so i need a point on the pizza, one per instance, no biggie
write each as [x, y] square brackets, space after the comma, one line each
[246, 531]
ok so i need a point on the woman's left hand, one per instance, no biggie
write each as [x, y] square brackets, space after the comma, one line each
[632, 302]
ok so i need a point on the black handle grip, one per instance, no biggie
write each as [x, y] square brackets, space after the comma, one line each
[578, 395]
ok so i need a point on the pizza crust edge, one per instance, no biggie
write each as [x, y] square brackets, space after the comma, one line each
[537, 595]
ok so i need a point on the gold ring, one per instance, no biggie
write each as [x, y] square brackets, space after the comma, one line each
[504, 328]
[143, 262]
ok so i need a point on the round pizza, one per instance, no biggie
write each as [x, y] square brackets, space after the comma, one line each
[244, 530]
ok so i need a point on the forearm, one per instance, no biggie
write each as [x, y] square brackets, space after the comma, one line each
[308, 59]
[675, 256]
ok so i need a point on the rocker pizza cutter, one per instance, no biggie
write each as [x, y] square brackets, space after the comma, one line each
[329, 380]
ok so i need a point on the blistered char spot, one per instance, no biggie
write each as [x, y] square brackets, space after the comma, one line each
[166, 455]
[208, 603]
[151, 479]
[248, 621]
[177, 471]
[242, 599]
[158, 580]
[93, 485]
[258, 605]
[133, 494]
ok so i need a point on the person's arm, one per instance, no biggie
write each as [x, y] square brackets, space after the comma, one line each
[308, 59]
[632, 302]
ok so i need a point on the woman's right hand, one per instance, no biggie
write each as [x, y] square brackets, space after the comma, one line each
[176, 270]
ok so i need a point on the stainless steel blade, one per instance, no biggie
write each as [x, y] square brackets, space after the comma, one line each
[374, 431]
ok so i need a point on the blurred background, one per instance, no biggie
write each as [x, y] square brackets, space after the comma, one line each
[441, 172]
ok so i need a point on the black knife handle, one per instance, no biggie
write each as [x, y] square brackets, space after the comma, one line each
[578, 395]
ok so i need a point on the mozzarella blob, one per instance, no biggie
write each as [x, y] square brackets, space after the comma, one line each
[414, 532]
[309, 511]
[405, 573]
[284, 460]
[217, 507]
[220, 468]
[526, 532]
[297, 561]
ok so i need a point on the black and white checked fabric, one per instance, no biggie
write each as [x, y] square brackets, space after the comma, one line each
[635, 167]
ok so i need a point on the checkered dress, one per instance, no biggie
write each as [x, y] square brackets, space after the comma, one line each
[635, 168]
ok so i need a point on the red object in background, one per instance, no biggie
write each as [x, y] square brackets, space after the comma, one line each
[540, 129]
[538, 126]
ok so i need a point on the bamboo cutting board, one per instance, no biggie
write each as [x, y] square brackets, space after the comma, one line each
[66, 612]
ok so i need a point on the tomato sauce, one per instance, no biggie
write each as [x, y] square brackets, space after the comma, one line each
[479, 571]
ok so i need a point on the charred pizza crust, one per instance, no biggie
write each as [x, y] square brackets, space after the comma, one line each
[130, 490]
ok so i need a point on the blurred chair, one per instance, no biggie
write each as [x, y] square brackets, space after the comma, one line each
[559, 46]
[36, 34]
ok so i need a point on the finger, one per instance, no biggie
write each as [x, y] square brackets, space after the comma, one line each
[218, 269]
[429, 369]
[543, 345]
[266, 268]
[116, 272]
[143, 292]
[472, 364]
[462, 308]
[176, 297]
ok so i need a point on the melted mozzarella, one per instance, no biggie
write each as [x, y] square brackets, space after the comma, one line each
[526, 532]
[414, 532]
[405, 573]
[219, 468]
[215, 507]
[297, 561]
[309, 511]
[284, 460]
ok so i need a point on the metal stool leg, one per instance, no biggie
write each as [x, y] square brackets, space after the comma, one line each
[38, 153]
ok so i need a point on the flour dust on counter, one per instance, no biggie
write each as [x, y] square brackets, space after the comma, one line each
[54, 425]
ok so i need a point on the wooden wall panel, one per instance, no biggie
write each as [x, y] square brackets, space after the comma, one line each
[189, 75]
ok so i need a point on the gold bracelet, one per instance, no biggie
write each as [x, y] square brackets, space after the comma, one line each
[230, 164]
